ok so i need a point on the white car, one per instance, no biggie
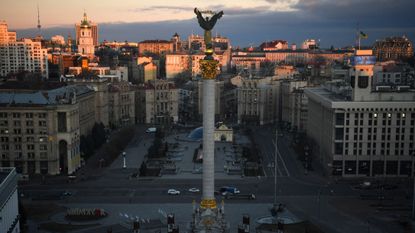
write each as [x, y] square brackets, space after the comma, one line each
[173, 192]
[194, 190]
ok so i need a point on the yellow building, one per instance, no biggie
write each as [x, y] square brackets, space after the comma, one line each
[40, 131]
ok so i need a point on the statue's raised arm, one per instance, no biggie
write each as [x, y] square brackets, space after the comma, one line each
[207, 24]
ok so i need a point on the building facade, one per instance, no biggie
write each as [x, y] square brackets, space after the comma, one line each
[258, 101]
[367, 133]
[100, 86]
[155, 47]
[180, 62]
[157, 102]
[85, 37]
[294, 104]
[394, 48]
[121, 104]
[40, 131]
[21, 55]
[94, 30]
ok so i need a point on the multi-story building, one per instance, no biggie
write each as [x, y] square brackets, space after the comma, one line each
[179, 62]
[294, 103]
[21, 55]
[85, 37]
[364, 131]
[274, 45]
[394, 48]
[392, 74]
[157, 103]
[9, 211]
[155, 47]
[5, 34]
[197, 43]
[251, 60]
[94, 30]
[148, 69]
[187, 103]
[58, 39]
[258, 101]
[40, 131]
[121, 104]
[309, 44]
[100, 86]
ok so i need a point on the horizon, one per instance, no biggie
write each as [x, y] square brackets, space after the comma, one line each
[334, 23]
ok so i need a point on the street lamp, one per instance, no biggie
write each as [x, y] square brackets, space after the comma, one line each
[413, 193]
[276, 207]
[124, 166]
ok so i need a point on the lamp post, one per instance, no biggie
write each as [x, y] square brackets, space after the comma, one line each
[124, 165]
[276, 207]
[413, 193]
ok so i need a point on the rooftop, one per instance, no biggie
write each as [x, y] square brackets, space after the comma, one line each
[52, 97]
[4, 172]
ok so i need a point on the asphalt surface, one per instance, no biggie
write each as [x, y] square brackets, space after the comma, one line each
[310, 196]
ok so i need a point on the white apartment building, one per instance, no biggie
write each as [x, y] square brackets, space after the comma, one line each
[21, 55]
[367, 133]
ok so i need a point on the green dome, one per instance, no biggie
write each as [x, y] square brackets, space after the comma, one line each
[84, 22]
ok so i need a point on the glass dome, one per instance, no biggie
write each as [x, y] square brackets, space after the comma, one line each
[196, 134]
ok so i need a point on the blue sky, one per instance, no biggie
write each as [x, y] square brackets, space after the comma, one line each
[246, 22]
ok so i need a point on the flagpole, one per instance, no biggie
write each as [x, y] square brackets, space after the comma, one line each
[358, 36]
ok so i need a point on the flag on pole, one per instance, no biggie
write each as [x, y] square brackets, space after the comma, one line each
[363, 35]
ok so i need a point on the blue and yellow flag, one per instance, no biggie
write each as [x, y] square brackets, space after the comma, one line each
[363, 35]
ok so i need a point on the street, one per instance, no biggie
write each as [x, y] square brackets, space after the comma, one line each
[310, 197]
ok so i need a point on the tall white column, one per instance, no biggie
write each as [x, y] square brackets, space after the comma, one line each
[208, 139]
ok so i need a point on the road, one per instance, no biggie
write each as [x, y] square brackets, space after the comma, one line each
[304, 194]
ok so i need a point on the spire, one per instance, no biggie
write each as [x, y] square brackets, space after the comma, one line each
[85, 22]
[85, 16]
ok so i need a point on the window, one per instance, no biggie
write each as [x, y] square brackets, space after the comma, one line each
[363, 81]
[29, 115]
[339, 118]
[43, 147]
[338, 148]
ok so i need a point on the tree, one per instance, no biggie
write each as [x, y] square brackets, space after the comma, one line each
[267, 68]
[98, 134]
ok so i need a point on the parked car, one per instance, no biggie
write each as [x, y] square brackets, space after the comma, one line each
[66, 193]
[240, 196]
[151, 130]
[194, 190]
[173, 192]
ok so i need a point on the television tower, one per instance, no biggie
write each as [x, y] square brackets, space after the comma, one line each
[38, 22]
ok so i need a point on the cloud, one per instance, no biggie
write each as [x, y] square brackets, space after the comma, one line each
[155, 8]
[230, 11]
[333, 22]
